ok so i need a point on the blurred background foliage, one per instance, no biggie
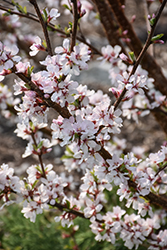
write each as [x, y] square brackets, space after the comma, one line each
[18, 233]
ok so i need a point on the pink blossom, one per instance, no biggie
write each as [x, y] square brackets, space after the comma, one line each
[8, 56]
[52, 15]
[110, 54]
[37, 46]
[31, 209]
[92, 208]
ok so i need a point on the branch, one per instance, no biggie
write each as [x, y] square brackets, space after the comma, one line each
[44, 26]
[135, 45]
[157, 200]
[62, 111]
[69, 210]
[143, 51]
[75, 24]
[39, 156]
[145, 5]
[160, 169]
[73, 211]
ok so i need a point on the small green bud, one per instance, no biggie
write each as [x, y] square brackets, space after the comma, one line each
[157, 37]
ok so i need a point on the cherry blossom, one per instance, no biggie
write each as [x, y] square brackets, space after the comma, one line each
[73, 61]
[29, 110]
[52, 14]
[8, 56]
[110, 54]
[42, 146]
[9, 184]
[30, 210]
[92, 208]
[37, 46]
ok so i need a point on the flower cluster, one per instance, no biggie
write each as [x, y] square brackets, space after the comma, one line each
[73, 61]
[135, 102]
[132, 229]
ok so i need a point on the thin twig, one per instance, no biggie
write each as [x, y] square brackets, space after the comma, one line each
[39, 156]
[44, 26]
[145, 5]
[68, 210]
[160, 169]
[72, 211]
[75, 24]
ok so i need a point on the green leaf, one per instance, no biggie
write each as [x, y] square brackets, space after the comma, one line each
[44, 44]
[57, 26]
[76, 135]
[66, 157]
[34, 184]
[69, 151]
[30, 69]
[67, 7]
[49, 28]
[157, 37]
[132, 56]
[76, 103]
[45, 15]
[40, 145]
[7, 13]
[152, 21]
[67, 30]
[68, 204]
[70, 25]
[38, 168]
[25, 9]
[20, 8]
[31, 125]
[27, 86]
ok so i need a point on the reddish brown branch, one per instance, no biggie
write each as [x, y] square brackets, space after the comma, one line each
[135, 45]
[75, 24]
[44, 26]
[39, 156]
[69, 210]
[63, 111]
[157, 200]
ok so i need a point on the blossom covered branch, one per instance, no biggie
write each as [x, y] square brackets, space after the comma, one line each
[87, 124]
